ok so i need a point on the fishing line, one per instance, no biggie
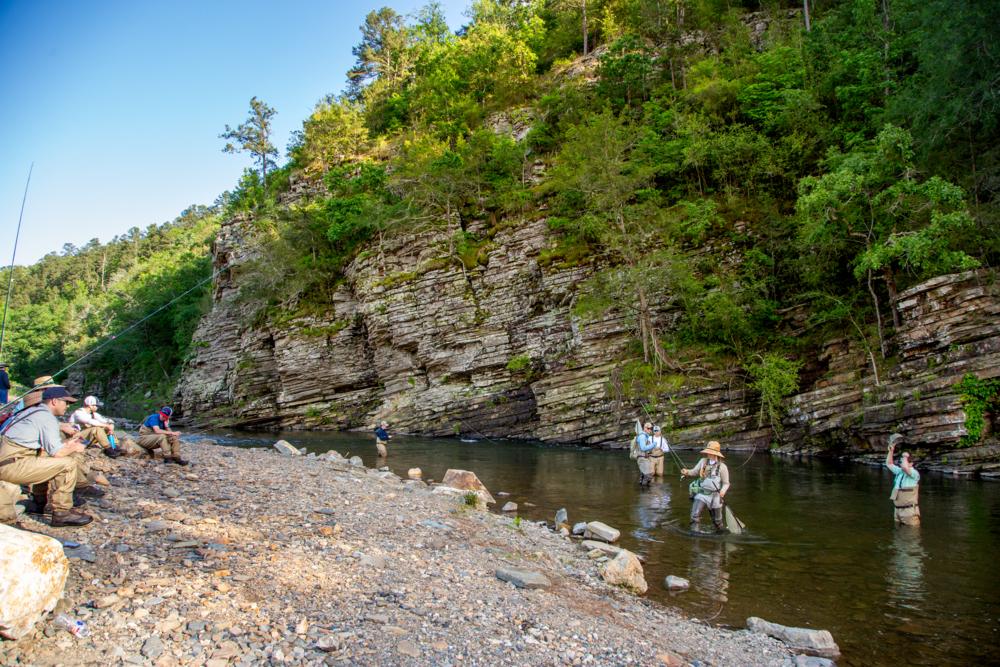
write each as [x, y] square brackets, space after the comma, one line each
[10, 271]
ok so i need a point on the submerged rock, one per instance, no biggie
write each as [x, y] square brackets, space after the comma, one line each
[806, 640]
[415, 473]
[509, 507]
[562, 516]
[676, 583]
[33, 573]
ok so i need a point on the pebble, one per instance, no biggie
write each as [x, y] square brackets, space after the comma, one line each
[407, 647]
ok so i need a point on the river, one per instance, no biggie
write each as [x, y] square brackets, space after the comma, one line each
[823, 552]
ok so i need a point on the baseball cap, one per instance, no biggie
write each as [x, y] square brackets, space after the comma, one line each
[58, 392]
[92, 402]
[167, 410]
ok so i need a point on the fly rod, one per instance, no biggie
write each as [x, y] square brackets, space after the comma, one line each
[10, 271]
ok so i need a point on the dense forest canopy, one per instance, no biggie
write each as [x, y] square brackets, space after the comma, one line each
[725, 161]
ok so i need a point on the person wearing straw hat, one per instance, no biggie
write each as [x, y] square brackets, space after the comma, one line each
[712, 486]
[34, 397]
[905, 485]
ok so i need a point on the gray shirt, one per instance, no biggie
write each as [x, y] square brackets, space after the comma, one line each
[36, 428]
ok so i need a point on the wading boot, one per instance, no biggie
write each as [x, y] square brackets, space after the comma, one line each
[36, 504]
[91, 491]
[176, 460]
[78, 501]
[720, 526]
[69, 518]
[112, 453]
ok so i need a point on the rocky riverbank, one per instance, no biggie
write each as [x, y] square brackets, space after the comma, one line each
[251, 557]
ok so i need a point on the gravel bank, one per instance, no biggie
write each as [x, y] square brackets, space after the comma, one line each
[249, 557]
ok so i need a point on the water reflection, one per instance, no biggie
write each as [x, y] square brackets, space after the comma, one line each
[651, 510]
[707, 570]
[905, 577]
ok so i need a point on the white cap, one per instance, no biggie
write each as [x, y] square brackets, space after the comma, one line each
[91, 402]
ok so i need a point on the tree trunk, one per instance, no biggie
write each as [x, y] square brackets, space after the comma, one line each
[805, 12]
[890, 285]
[585, 49]
[878, 315]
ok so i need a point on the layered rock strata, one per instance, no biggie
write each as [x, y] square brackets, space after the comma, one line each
[439, 348]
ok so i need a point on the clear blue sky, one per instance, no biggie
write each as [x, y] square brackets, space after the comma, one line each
[120, 104]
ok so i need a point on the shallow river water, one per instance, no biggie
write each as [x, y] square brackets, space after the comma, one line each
[822, 553]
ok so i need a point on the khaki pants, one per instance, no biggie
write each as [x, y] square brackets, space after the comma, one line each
[9, 493]
[170, 444]
[55, 477]
[657, 465]
[96, 435]
[380, 446]
[906, 511]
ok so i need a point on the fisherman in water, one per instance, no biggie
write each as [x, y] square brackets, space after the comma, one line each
[382, 439]
[713, 483]
[905, 485]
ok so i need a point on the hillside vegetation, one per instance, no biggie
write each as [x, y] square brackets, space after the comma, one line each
[728, 161]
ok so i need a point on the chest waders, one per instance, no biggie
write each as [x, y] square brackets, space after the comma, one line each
[710, 483]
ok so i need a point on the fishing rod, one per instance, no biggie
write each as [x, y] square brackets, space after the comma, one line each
[10, 271]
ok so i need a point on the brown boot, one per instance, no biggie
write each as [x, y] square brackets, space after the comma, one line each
[91, 491]
[69, 518]
[175, 460]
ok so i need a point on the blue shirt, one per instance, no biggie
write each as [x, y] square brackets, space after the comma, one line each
[902, 480]
[381, 434]
[154, 420]
[645, 442]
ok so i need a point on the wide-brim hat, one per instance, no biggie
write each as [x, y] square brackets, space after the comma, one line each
[43, 380]
[713, 448]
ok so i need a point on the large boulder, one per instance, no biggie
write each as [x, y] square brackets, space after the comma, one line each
[33, 572]
[286, 448]
[466, 481]
[804, 640]
[601, 531]
[625, 570]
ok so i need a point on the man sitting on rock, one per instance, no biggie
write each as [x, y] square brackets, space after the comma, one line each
[32, 452]
[95, 427]
[155, 433]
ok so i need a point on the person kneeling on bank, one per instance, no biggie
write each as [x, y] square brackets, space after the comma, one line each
[32, 452]
[96, 428]
[155, 433]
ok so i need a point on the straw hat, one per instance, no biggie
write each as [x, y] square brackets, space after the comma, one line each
[713, 448]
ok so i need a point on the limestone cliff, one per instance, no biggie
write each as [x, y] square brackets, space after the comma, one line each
[441, 349]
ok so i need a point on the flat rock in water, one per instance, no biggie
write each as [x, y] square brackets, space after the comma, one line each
[467, 481]
[676, 583]
[601, 531]
[286, 448]
[523, 578]
[509, 507]
[562, 516]
[813, 642]
[415, 473]
[33, 572]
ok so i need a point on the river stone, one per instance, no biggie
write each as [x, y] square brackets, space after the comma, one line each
[286, 448]
[357, 462]
[676, 583]
[153, 647]
[808, 661]
[523, 578]
[806, 640]
[509, 507]
[561, 517]
[334, 455]
[410, 648]
[467, 481]
[625, 570]
[579, 528]
[414, 473]
[601, 531]
[33, 573]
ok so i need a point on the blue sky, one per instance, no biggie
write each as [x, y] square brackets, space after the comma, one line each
[120, 104]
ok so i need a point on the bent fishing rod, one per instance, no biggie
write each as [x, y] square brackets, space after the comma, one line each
[10, 271]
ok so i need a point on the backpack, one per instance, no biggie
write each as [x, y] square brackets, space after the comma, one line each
[633, 448]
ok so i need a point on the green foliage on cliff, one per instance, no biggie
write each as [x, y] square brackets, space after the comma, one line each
[980, 399]
[717, 170]
[68, 303]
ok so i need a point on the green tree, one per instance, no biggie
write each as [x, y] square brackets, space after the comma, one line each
[253, 136]
[872, 213]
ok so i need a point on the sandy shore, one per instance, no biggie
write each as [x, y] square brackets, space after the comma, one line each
[250, 557]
